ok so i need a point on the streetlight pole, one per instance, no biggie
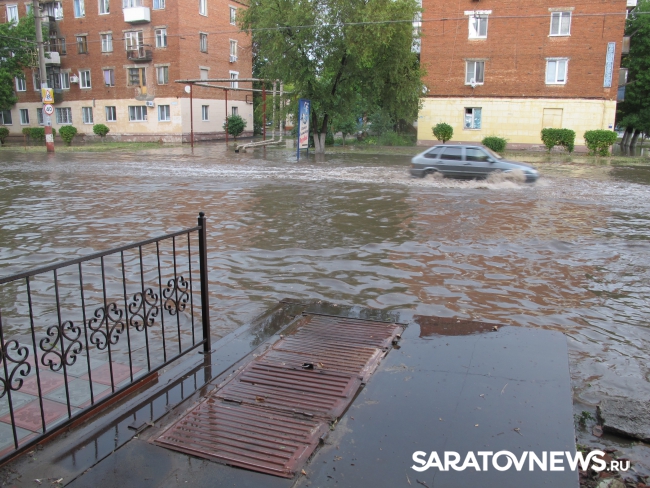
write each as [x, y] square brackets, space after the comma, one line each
[42, 70]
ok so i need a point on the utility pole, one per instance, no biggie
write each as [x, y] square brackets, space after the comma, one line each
[42, 70]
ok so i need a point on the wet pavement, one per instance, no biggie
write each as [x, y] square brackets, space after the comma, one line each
[567, 254]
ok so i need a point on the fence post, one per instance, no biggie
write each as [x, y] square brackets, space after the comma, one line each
[203, 269]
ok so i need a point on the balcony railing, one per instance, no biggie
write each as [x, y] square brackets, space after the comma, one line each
[140, 54]
[137, 15]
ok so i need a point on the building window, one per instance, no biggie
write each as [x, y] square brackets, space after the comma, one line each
[561, 23]
[204, 74]
[474, 71]
[39, 116]
[21, 84]
[79, 9]
[204, 112]
[109, 77]
[36, 79]
[5, 117]
[107, 43]
[137, 77]
[234, 111]
[478, 27]
[133, 40]
[233, 15]
[103, 7]
[158, 4]
[65, 80]
[233, 51]
[62, 47]
[131, 3]
[87, 115]
[54, 9]
[24, 116]
[556, 71]
[12, 14]
[161, 37]
[84, 78]
[82, 45]
[111, 114]
[163, 113]
[203, 43]
[203, 7]
[63, 115]
[473, 118]
[163, 75]
[28, 8]
[137, 113]
[233, 76]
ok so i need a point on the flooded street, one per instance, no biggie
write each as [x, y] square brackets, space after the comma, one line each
[569, 253]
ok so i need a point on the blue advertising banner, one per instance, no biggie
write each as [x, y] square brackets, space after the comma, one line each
[304, 111]
[609, 64]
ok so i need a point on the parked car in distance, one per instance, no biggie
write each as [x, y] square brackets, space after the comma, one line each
[466, 161]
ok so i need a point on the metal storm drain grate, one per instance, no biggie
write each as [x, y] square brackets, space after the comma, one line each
[271, 415]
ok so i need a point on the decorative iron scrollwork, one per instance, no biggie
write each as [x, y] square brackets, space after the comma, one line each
[143, 309]
[56, 350]
[107, 325]
[14, 354]
[176, 295]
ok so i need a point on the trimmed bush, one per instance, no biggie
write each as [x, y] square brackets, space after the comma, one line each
[443, 132]
[236, 125]
[26, 131]
[559, 137]
[37, 134]
[497, 144]
[67, 133]
[599, 141]
[101, 130]
[4, 132]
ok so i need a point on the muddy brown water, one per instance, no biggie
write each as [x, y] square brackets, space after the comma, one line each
[569, 253]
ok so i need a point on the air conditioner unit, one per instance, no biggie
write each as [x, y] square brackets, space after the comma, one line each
[149, 103]
[233, 58]
[74, 79]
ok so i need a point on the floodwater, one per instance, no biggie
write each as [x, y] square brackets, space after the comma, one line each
[569, 253]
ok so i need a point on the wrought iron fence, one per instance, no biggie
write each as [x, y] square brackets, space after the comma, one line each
[75, 334]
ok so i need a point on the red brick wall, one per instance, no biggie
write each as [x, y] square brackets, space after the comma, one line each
[517, 46]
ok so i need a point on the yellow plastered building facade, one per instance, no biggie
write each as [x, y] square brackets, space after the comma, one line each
[520, 121]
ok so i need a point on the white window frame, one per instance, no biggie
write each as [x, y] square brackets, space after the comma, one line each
[36, 79]
[161, 37]
[39, 116]
[205, 113]
[203, 7]
[233, 48]
[158, 5]
[58, 11]
[112, 76]
[84, 79]
[233, 83]
[133, 40]
[233, 16]
[110, 113]
[234, 110]
[472, 124]
[78, 8]
[204, 72]
[137, 113]
[164, 113]
[560, 15]
[165, 78]
[28, 8]
[107, 42]
[87, 115]
[131, 3]
[13, 16]
[475, 27]
[475, 62]
[3, 120]
[104, 7]
[63, 115]
[555, 78]
[203, 42]
[64, 80]
[24, 116]
[21, 84]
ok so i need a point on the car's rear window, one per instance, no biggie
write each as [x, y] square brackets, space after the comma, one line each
[453, 153]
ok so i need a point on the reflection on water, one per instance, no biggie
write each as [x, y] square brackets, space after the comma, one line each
[569, 253]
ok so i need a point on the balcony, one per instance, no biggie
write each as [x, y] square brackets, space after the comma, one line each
[137, 15]
[140, 54]
[55, 58]
[631, 3]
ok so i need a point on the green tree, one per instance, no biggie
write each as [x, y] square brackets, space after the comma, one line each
[345, 124]
[634, 112]
[17, 51]
[443, 132]
[334, 51]
[236, 125]
[101, 130]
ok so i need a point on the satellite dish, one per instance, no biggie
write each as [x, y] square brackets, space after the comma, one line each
[188, 88]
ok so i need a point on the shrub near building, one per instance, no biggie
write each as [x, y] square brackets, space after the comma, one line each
[599, 141]
[559, 137]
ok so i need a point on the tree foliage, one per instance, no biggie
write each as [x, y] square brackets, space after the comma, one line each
[552, 137]
[497, 144]
[634, 112]
[67, 133]
[599, 141]
[17, 51]
[236, 125]
[443, 132]
[101, 130]
[312, 46]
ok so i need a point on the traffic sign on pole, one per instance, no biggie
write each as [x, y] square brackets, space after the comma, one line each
[48, 109]
[48, 95]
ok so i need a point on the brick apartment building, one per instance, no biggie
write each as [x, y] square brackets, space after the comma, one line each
[510, 68]
[115, 62]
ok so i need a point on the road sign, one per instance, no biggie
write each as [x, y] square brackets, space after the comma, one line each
[47, 95]
[48, 109]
